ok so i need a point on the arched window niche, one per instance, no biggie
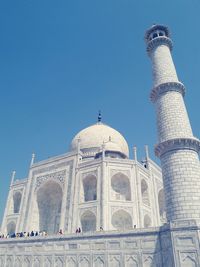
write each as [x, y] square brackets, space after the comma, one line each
[161, 203]
[122, 220]
[11, 227]
[88, 222]
[90, 188]
[49, 200]
[121, 187]
[17, 196]
[147, 221]
[145, 193]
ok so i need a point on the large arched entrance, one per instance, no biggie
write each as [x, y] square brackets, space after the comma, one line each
[49, 199]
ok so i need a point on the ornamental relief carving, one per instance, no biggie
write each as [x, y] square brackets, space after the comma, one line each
[84, 260]
[53, 167]
[132, 259]
[188, 255]
[99, 259]
[116, 208]
[92, 209]
[58, 176]
[85, 174]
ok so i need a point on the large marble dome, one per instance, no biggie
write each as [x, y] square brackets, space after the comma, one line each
[92, 138]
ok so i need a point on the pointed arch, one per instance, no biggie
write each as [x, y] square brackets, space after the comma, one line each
[9, 261]
[188, 261]
[11, 227]
[161, 204]
[84, 262]
[147, 221]
[122, 220]
[47, 262]
[27, 262]
[49, 200]
[114, 262]
[71, 262]
[88, 221]
[59, 262]
[17, 196]
[98, 262]
[18, 262]
[148, 262]
[90, 188]
[36, 262]
[145, 192]
[131, 262]
[120, 184]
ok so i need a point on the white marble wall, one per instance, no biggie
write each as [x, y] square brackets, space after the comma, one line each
[69, 176]
[168, 246]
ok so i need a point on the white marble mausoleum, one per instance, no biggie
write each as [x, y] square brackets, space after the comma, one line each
[94, 186]
[131, 213]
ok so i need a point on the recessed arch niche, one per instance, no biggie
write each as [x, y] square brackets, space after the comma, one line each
[122, 220]
[11, 228]
[121, 186]
[145, 192]
[17, 196]
[161, 203]
[49, 200]
[147, 221]
[88, 221]
[90, 188]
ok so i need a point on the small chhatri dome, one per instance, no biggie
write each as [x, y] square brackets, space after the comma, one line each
[92, 138]
[156, 30]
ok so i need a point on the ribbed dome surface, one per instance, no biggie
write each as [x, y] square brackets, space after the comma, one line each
[93, 137]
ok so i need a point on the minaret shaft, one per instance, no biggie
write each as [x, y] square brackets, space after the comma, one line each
[163, 66]
[177, 148]
[171, 117]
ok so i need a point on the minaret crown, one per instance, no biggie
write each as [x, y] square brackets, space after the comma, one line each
[157, 35]
[156, 31]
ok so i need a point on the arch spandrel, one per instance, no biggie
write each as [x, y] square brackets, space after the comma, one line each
[58, 177]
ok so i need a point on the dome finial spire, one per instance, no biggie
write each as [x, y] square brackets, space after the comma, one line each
[99, 116]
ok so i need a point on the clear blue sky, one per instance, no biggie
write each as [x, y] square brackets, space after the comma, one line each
[61, 61]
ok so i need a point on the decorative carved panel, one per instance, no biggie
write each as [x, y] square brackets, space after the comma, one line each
[58, 176]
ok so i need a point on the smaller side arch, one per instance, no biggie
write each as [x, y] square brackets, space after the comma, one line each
[120, 185]
[161, 204]
[122, 220]
[11, 227]
[145, 192]
[17, 196]
[90, 188]
[147, 221]
[88, 221]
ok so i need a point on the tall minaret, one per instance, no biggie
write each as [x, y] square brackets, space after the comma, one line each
[177, 148]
